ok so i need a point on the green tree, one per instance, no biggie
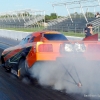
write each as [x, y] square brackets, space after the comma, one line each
[53, 16]
[50, 17]
[47, 17]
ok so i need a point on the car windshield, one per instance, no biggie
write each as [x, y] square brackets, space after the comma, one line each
[57, 37]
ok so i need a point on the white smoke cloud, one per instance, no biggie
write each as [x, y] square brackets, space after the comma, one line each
[55, 75]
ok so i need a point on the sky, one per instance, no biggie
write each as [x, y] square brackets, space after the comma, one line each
[14, 5]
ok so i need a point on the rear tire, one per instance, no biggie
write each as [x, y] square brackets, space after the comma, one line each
[21, 69]
[24, 74]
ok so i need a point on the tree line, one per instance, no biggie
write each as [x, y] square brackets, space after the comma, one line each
[49, 17]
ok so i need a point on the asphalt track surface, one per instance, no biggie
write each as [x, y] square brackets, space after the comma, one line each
[13, 89]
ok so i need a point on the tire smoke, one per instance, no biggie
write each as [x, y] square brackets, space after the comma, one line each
[55, 75]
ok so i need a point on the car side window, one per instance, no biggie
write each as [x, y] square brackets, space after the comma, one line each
[22, 42]
[32, 39]
[25, 40]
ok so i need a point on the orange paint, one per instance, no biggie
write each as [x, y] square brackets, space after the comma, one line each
[45, 50]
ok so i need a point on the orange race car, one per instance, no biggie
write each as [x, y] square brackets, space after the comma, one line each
[50, 47]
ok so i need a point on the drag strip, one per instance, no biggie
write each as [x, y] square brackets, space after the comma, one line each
[12, 88]
[4, 45]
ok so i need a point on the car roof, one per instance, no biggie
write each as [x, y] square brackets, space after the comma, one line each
[45, 32]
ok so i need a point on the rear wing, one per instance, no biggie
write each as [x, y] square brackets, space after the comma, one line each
[91, 38]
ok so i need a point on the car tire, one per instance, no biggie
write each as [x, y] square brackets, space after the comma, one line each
[21, 69]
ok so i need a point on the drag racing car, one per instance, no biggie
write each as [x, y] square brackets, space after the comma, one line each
[48, 48]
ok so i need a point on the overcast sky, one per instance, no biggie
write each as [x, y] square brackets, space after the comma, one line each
[12, 5]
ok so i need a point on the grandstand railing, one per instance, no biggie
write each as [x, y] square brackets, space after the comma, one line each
[22, 17]
[34, 20]
[95, 22]
[56, 21]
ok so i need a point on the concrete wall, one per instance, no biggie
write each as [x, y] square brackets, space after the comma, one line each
[16, 35]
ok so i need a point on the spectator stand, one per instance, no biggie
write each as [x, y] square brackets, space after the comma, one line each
[77, 20]
[22, 18]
